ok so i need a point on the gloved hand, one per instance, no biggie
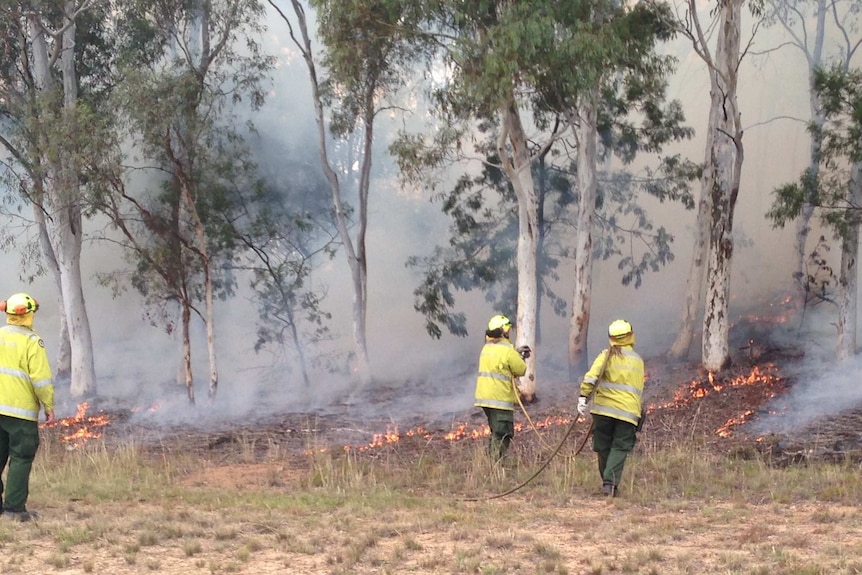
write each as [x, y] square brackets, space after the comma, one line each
[582, 406]
[525, 351]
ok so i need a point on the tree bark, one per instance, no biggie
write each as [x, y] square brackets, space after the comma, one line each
[814, 57]
[726, 162]
[696, 271]
[587, 141]
[355, 252]
[63, 219]
[517, 163]
[847, 281]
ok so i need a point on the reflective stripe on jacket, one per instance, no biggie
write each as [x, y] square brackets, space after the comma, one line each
[499, 365]
[25, 373]
[620, 389]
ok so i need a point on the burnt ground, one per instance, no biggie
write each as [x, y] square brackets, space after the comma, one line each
[683, 399]
[752, 408]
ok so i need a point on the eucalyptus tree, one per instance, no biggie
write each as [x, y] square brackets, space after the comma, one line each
[545, 79]
[363, 64]
[285, 232]
[723, 158]
[183, 67]
[51, 82]
[807, 25]
[837, 187]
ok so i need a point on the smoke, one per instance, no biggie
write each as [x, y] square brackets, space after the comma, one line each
[822, 390]
[137, 364]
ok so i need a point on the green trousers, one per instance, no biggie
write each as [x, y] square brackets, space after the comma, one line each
[502, 424]
[613, 439]
[19, 441]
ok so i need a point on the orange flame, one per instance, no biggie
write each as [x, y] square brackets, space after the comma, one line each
[87, 426]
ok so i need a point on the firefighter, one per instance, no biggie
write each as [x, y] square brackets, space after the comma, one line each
[616, 379]
[496, 393]
[25, 387]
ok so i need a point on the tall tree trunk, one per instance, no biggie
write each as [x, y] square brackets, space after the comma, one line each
[62, 201]
[187, 351]
[355, 253]
[517, 163]
[803, 222]
[696, 272]
[726, 161]
[847, 280]
[700, 248]
[587, 138]
[63, 363]
[209, 314]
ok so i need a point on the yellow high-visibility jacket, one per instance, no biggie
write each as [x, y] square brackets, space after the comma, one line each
[499, 365]
[25, 373]
[620, 389]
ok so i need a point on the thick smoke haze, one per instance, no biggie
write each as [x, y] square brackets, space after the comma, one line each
[138, 363]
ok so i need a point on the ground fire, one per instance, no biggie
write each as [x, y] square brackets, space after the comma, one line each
[82, 427]
[729, 400]
[742, 396]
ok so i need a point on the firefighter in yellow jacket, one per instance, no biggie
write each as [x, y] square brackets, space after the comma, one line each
[25, 387]
[617, 380]
[496, 393]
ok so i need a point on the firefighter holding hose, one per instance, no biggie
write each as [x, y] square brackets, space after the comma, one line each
[26, 387]
[496, 393]
[616, 382]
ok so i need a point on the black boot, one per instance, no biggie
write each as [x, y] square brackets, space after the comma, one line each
[609, 489]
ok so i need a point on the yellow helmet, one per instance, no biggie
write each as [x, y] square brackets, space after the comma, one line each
[619, 328]
[499, 322]
[19, 304]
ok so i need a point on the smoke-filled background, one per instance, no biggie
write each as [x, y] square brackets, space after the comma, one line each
[138, 363]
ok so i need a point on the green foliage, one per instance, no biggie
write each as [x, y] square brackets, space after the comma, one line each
[175, 99]
[369, 54]
[831, 190]
[549, 55]
[37, 126]
[482, 248]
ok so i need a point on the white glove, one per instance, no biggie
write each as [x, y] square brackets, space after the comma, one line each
[582, 406]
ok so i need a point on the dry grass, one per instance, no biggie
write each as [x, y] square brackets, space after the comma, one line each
[404, 509]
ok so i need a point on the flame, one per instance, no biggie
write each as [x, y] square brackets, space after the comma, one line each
[764, 378]
[459, 432]
[153, 408]
[724, 430]
[86, 426]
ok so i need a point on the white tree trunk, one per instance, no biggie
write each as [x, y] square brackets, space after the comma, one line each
[517, 163]
[202, 254]
[726, 163]
[62, 204]
[355, 254]
[847, 281]
[187, 353]
[700, 248]
[814, 56]
[696, 271]
[587, 140]
[63, 363]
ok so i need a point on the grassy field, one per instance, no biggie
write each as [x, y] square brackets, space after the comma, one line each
[422, 507]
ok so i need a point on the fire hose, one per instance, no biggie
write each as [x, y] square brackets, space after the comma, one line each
[556, 449]
[544, 465]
